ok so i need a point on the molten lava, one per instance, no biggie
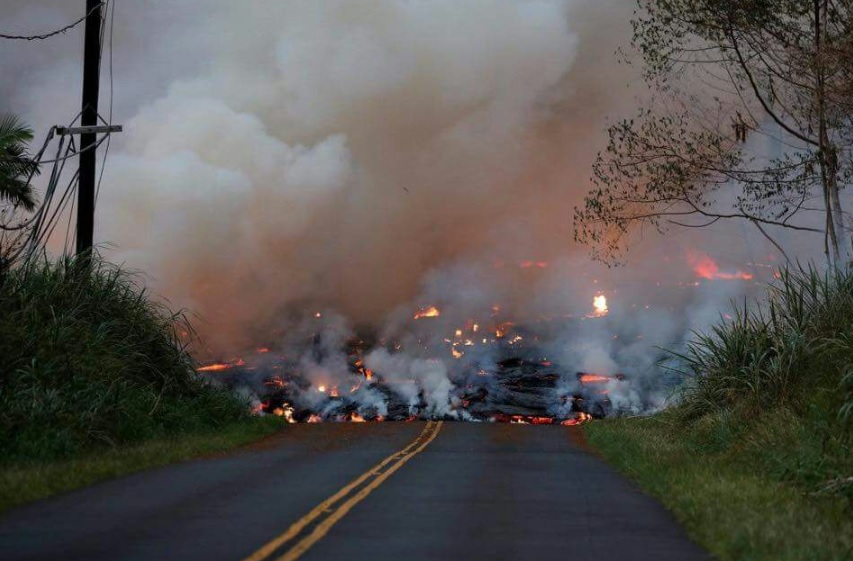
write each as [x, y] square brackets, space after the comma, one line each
[599, 305]
[593, 378]
[706, 268]
[218, 367]
[580, 418]
[430, 312]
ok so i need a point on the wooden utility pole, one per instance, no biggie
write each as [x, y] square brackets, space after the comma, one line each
[89, 118]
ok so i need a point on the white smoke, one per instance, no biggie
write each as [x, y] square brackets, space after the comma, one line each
[368, 157]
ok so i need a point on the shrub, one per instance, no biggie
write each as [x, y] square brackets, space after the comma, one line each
[88, 358]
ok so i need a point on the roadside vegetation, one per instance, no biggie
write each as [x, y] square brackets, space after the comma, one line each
[756, 460]
[91, 367]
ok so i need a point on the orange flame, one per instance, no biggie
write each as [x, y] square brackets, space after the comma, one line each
[704, 267]
[593, 378]
[580, 418]
[430, 312]
[502, 329]
[218, 367]
[599, 305]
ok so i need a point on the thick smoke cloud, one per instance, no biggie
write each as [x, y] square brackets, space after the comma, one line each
[362, 156]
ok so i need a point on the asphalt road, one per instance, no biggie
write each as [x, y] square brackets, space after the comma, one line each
[448, 491]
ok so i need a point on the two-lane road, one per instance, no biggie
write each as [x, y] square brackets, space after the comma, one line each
[377, 492]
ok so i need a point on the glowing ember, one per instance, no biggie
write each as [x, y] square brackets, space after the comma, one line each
[285, 411]
[502, 329]
[593, 378]
[704, 267]
[430, 312]
[530, 264]
[599, 305]
[263, 350]
[214, 367]
[275, 382]
[580, 418]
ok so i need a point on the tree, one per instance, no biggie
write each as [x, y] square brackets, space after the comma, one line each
[721, 75]
[16, 168]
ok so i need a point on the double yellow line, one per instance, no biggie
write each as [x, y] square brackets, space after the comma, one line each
[329, 512]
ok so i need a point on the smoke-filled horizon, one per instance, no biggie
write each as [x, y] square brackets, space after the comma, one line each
[364, 156]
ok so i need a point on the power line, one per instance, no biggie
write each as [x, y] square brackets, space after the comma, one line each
[111, 6]
[50, 34]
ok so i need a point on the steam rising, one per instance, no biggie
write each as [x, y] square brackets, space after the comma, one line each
[368, 157]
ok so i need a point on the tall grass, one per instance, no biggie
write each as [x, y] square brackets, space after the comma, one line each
[793, 352]
[772, 389]
[88, 358]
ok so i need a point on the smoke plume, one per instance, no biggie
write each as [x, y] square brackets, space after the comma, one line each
[366, 158]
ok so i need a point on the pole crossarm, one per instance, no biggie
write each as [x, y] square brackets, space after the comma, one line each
[98, 129]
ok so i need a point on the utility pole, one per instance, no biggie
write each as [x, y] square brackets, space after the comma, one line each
[89, 118]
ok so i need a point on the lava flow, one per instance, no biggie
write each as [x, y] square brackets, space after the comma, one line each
[706, 268]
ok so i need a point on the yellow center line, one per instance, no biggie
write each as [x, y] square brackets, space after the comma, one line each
[334, 515]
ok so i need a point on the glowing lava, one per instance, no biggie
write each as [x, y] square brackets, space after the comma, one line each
[593, 379]
[219, 367]
[430, 312]
[704, 267]
[599, 305]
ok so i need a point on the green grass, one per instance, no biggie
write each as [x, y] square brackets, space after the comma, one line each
[96, 381]
[756, 459]
[25, 482]
[89, 361]
[756, 496]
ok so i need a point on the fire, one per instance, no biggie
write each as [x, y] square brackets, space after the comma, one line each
[314, 419]
[456, 354]
[263, 350]
[333, 392]
[593, 378]
[218, 367]
[580, 418]
[285, 411]
[275, 381]
[502, 329]
[430, 312]
[704, 267]
[599, 305]
[368, 373]
[356, 418]
[321, 389]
